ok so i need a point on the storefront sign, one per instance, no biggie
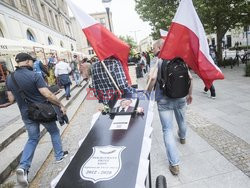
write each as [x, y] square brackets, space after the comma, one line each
[104, 163]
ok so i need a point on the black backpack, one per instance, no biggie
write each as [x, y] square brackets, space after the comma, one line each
[175, 81]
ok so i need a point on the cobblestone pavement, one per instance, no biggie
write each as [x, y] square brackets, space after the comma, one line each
[234, 149]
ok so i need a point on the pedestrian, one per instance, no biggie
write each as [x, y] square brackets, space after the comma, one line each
[40, 69]
[62, 71]
[148, 59]
[168, 106]
[212, 91]
[104, 88]
[36, 91]
[85, 69]
[143, 63]
[75, 70]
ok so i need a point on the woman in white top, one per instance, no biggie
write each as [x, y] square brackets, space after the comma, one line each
[62, 71]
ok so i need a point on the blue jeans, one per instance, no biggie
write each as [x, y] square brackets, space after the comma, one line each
[33, 129]
[167, 107]
[67, 90]
[76, 76]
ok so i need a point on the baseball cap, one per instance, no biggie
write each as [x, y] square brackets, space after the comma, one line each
[23, 57]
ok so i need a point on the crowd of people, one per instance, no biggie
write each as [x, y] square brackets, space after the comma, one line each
[35, 78]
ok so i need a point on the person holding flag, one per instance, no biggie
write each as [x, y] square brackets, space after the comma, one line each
[186, 41]
[107, 47]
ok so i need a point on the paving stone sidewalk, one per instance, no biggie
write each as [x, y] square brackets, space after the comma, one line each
[216, 153]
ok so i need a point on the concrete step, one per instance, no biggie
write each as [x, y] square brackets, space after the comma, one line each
[10, 155]
[15, 126]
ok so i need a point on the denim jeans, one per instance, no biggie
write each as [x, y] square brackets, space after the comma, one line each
[67, 90]
[33, 129]
[167, 107]
[76, 76]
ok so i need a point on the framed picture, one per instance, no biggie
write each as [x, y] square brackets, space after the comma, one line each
[125, 107]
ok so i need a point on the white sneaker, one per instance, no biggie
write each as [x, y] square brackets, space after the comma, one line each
[65, 154]
[212, 97]
[22, 177]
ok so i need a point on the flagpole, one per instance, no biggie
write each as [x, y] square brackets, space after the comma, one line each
[153, 73]
[110, 76]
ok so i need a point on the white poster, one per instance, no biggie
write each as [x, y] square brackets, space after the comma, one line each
[120, 122]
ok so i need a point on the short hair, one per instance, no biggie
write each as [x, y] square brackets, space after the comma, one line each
[158, 43]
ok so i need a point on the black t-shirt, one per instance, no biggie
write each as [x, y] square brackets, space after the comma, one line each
[29, 82]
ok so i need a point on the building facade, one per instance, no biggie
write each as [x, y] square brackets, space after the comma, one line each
[43, 21]
[239, 36]
[82, 43]
[146, 44]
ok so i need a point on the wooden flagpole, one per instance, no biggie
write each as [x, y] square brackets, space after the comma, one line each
[110, 76]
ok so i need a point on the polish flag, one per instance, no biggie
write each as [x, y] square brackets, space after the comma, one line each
[187, 39]
[104, 42]
[163, 33]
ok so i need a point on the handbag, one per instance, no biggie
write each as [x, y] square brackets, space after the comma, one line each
[39, 112]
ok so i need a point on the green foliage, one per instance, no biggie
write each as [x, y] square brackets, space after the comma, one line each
[217, 16]
[130, 41]
[248, 70]
[2, 87]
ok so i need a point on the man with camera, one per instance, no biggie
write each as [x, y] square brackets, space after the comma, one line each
[29, 88]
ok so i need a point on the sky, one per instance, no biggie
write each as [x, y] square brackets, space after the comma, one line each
[126, 21]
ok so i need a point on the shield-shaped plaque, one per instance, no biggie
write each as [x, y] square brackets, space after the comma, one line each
[104, 163]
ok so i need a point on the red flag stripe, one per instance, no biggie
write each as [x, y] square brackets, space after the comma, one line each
[106, 44]
[182, 42]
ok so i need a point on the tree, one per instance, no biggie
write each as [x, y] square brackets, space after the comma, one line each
[217, 16]
[130, 41]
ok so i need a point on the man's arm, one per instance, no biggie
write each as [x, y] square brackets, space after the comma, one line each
[10, 97]
[189, 96]
[152, 78]
[51, 98]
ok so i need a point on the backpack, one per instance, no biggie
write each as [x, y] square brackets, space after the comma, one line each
[175, 81]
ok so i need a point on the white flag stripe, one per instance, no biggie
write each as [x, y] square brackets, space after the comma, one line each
[163, 33]
[186, 15]
[81, 16]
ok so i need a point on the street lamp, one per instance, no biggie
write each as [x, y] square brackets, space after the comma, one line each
[106, 4]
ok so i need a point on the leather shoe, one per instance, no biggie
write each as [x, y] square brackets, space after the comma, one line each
[174, 169]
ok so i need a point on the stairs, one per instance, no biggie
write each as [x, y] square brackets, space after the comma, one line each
[13, 138]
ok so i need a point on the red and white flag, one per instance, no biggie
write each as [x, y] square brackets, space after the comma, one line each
[104, 42]
[187, 39]
[163, 33]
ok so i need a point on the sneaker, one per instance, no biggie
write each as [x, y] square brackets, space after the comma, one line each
[182, 140]
[212, 97]
[174, 169]
[65, 154]
[22, 177]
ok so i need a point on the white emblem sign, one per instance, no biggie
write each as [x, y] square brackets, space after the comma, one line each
[104, 163]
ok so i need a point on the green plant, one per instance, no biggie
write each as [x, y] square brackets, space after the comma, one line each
[248, 70]
[2, 87]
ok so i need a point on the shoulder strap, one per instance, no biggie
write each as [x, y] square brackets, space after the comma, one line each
[20, 91]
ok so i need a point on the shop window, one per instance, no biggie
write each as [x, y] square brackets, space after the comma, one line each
[30, 36]
[91, 52]
[50, 41]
